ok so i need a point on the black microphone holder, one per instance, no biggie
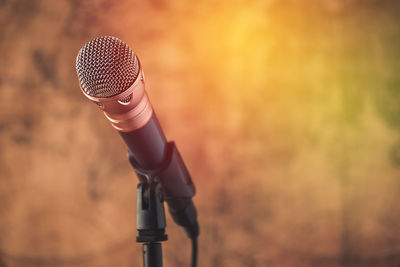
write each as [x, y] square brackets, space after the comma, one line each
[150, 214]
[150, 222]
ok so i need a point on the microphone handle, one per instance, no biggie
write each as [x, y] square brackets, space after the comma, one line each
[147, 144]
[151, 154]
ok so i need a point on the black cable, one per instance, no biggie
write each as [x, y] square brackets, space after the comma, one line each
[194, 252]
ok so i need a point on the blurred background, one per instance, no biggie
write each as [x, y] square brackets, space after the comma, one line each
[285, 111]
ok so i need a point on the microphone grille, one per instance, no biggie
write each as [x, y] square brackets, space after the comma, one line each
[106, 67]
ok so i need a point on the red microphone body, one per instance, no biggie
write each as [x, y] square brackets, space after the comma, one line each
[111, 76]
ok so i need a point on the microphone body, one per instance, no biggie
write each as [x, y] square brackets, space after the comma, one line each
[110, 75]
[147, 144]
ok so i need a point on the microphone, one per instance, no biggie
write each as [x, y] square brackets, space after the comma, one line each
[111, 76]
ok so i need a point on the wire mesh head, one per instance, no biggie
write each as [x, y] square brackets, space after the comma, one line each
[106, 67]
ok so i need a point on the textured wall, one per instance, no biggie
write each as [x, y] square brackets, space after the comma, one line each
[286, 112]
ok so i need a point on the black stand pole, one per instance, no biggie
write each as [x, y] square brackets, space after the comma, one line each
[150, 222]
[152, 254]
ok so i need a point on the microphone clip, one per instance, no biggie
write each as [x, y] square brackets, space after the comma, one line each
[176, 186]
[171, 182]
[172, 174]
[150, 215]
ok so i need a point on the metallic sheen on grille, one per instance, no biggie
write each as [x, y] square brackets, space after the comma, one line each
[106, 67]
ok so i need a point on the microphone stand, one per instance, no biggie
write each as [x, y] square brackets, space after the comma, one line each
[150, 222]
[150, 215]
